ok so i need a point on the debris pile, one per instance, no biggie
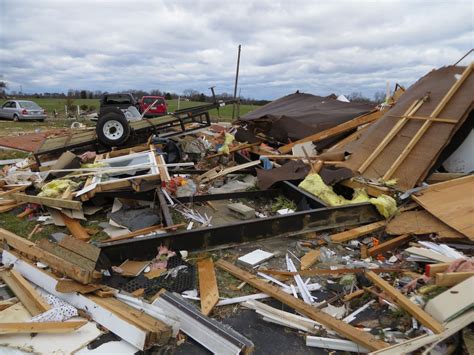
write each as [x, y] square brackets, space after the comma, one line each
[311, 222]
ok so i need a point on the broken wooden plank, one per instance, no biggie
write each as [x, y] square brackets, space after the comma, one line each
[67, 286]
[66, 254]
[449, 202]
[449, 279]
[76, 229]
[9, 207]
[115, 323]
[144, 231]
[357, 232]
[27, 295]
[165, 211]
[418, 313]
[433, 269]
[40, 327]
[216, 173]
[309, 259]
[316, 272]
[77, 246]
[344, 329]
[33, 251]
[331, 132]
[389, 245]
[48, 201]
[441, 177]
[372, 190]
[208, 291]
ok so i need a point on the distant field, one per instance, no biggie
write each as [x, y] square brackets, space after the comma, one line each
[49, 105]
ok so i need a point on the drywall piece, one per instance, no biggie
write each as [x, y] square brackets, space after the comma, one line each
[112, 347]
[334, 344]
[411, 345]
[418, 313]
[129, 332]
[214, 336]
[326, 320]
[452, 302]
[208, 290]
[66, 343]
[254, 258]
[462, 160]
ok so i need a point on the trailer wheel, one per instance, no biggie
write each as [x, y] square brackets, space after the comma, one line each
[112, 129]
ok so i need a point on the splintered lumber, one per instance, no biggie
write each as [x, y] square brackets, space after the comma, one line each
[331, 132]
[32, 251]
[9, 207]
[309, 259]
[451, 202]
[419, 314]
[27, 295]
[441, 177]
[144, 231]
[357, 232]
[316, 272]
[433, 269]
[114, 322]
[48, 201]
[77, 231]
[14, 190]
[233, 149]
[217, 173]
[37, 327]
[86, 250]
[449, 279]
[65, 254]
[366, 340]
[208, 291]
[67, 286]
[389, 245]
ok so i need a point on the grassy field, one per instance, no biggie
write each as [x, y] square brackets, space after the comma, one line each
[225, 113]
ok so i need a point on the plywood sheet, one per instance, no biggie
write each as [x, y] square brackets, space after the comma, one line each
[452, 202]
[417, 164]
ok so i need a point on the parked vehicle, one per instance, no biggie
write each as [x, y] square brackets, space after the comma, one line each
[159, 107]
[18, 110]
[120, 101]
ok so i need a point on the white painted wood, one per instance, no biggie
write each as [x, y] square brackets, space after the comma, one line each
[334, 344]
[254, 258]
[112, 322]
[352, 316]
[305, 294]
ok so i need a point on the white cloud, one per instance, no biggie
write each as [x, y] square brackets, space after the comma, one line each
[314, 46]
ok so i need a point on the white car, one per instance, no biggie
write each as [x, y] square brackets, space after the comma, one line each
[18, 110]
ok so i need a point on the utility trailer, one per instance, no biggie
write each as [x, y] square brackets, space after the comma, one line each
[114, 130]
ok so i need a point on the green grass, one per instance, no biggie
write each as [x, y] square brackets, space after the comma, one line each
[49, 104]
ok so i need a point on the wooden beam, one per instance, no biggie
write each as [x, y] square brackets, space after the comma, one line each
[234, 149]
[442, 120]
[27, 295]
[32, 251]
[372, 190]
[440, 177]
[66, 254]
[216, 173]
[441, 105]
[3, 194]
[41, 327]
[344, 329]
[449, 279]
[343, 127]
[419, 314]
[390, 244]
[76, 229]
[357, 232]
[309, 259]
[433, 269]
[77, 246]
[415, 106]
[317, 272]
[164, 207]
[208, 291]
[48, 201]
[144, 231]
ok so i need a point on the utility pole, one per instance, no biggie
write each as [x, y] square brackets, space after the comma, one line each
[236, 82]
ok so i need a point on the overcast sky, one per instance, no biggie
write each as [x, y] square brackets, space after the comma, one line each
[318, 47]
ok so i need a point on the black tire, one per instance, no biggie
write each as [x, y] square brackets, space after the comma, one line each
[112, 129]
[16, 118]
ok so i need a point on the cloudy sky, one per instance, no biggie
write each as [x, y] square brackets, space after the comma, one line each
[318, 47]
